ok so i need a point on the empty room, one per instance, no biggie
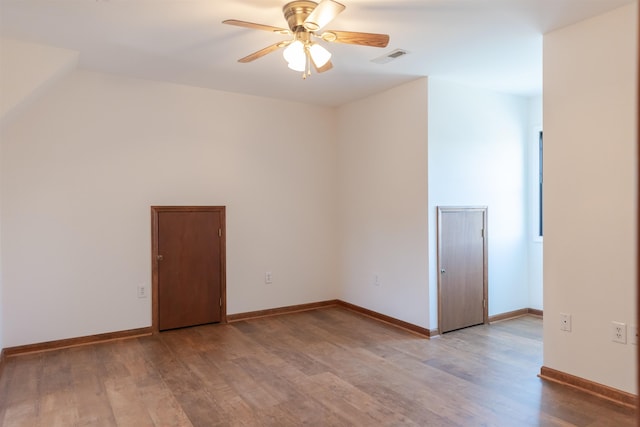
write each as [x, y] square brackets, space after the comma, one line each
[263, 212]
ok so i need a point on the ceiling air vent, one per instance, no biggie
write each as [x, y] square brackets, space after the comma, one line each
[389, 56]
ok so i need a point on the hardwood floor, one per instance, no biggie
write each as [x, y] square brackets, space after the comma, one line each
[327, 367]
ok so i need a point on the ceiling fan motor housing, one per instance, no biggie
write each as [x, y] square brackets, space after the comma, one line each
[296, 12]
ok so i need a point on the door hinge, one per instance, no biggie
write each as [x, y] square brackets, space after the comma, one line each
[219, 232]
[482, 232]
[484, 303]
[221, 302]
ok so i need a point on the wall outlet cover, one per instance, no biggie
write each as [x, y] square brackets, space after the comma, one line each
[619, 332]
[142, 291]
[565, 322]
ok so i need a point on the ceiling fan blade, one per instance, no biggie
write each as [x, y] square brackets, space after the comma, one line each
[350, 37]
[255, 26]
[325, 67]
[324, 12]
[263, 52]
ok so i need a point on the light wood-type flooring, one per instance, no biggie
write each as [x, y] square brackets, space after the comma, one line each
[327, 367]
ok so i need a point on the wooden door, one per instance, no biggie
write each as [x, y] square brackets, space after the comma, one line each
[189, 266]
[462, 267]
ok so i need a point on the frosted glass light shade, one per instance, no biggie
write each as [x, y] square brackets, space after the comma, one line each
[294, 54]
[319, 54]
[298, 66]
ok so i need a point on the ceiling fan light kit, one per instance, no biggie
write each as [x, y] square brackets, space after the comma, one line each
[304, 18]
[302, 52]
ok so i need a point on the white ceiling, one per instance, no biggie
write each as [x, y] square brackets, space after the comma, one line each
[494, 44]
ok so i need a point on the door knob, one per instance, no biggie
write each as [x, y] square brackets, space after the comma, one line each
[443, 271]
[159, 257]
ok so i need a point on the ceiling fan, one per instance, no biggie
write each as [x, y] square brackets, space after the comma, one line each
[305, 20]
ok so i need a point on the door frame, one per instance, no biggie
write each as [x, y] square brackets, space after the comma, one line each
[485, 275]
[155, 212]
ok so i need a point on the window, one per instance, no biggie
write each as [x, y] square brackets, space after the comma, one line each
[540, 185]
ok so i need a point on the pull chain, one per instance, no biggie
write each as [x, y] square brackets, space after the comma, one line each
[307, 67]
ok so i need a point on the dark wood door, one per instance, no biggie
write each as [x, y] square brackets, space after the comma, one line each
[189, 256]
[462, 267]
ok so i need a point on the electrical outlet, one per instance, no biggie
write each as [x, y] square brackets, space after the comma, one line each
[142, 291]
[633, 335]
[565, 322]
[619, 332]
[268, 278]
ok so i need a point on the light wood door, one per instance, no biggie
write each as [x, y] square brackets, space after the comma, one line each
[189, 260]
[462, 267]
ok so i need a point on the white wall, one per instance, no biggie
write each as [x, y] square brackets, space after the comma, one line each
[535, 245]
[590, 195]
[82, 166]
[382, 156]
[477, 155]
[27, 71]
